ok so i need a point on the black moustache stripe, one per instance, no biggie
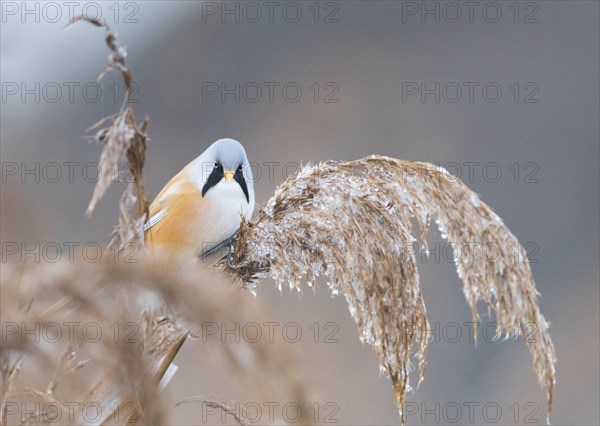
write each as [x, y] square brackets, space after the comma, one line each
[215, 177]
[239, 178]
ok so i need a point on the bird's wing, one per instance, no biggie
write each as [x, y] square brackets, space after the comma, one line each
[175, 216]
[158, 208]
[154, 219]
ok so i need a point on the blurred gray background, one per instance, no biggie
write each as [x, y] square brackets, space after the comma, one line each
[533, 150]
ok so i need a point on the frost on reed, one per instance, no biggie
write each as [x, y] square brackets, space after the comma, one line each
[351, 223]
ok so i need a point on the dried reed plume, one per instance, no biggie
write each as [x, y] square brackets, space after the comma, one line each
[123, 139]
[126, 370]
[351, 222]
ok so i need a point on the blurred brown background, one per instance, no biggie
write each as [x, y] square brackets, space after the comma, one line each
[541, 133]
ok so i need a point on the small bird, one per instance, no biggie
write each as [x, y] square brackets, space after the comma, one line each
[202, 206]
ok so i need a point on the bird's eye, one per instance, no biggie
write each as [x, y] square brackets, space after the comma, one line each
[216, 165]
[240, 167]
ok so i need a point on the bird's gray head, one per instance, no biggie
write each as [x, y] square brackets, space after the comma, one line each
[226, 161]
[228, 152]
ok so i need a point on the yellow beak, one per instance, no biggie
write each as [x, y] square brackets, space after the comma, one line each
[228, 175]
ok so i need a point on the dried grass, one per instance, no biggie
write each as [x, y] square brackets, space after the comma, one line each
[123, 139]
[128, 370]
[351, 223]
